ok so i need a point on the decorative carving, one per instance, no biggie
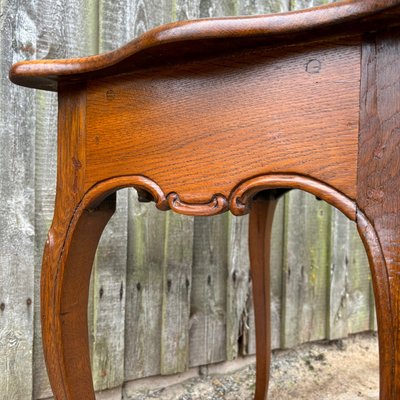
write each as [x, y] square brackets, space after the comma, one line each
[240, 201]
[103, 189]
[217, 205]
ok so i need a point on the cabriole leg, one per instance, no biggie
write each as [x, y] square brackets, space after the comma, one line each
[261, 216]
[65, 279]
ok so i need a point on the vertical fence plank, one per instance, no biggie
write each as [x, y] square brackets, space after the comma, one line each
[350, 302]
[177, 278]
[237, 287]
[339, 276]
[17, 132]
[306, 268]
[361, 308]
[144, 291]
[71, 36]
[208, 298]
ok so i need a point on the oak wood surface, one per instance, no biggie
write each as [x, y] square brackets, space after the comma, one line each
[379, 177]
[148, 129]
[183, 107]
[260, 228]
[155, 46]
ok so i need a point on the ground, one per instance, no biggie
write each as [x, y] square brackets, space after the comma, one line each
[337, 370]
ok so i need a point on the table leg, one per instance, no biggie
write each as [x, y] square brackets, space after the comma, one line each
[67, 265]
[261, 216]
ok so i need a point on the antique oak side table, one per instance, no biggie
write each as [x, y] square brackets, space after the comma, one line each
[208, 116]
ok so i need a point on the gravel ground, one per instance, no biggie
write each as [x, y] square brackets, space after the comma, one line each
[338, 370]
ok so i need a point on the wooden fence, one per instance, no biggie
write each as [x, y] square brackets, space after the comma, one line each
[168, 292]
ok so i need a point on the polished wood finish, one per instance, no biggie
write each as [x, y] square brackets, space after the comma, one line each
[205, 37]
[260, 229]
[205, 116]
[183, 107]
[379, 177]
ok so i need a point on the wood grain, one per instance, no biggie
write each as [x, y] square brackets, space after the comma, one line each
[305, 270]
[17, 198]
[274, 83]
[78, 21]
[208, 296]
[260, 228]
[161, 44]
[169, 131]
[379, 178]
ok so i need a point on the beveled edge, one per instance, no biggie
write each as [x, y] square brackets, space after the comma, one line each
[45, 74]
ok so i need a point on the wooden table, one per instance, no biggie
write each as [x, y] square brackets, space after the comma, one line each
[207, 116]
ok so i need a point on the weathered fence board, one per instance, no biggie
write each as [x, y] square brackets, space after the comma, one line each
[71, 36]
[305, 270]
[144, 292]
[17, 196]
[339, 274]
[237, 288]
[177, 281]
[361, 309]
[208, 298]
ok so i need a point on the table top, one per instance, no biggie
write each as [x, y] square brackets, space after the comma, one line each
[201, 38]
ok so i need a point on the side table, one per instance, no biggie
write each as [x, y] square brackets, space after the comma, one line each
[212, 115]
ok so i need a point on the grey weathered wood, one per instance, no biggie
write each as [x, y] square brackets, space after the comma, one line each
[251, 7]
[71, 36]
[339, 277]
[306, 268]
[208, 299]
[237, 286]
[108, 302]
[350, 284]
[144, 294]
[361, 308]
[17, 195]
[177, 282]
[300, 4]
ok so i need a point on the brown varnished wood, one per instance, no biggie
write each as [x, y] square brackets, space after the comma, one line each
[380, 280]
[200, 117]
[64, 307]
[241, 197]
[178, 111]
[260, 227]
[190, 39]
[64, 304]
[379, 180]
